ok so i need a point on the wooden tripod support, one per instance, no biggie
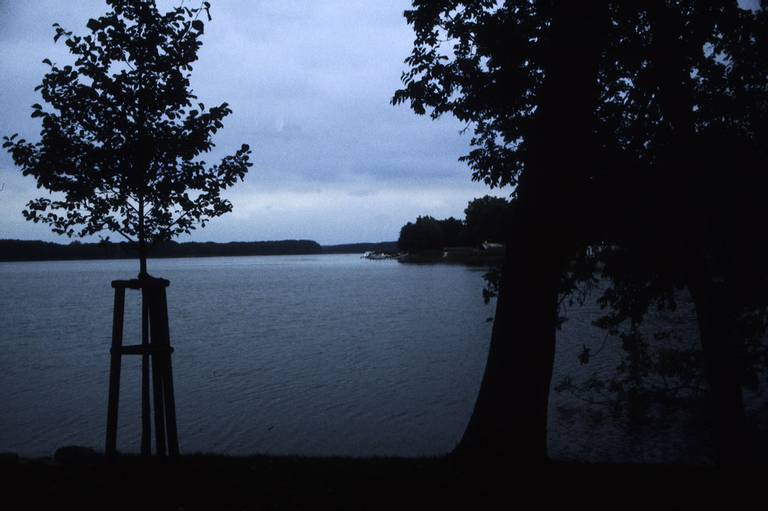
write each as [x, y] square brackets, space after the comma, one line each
[155, 345]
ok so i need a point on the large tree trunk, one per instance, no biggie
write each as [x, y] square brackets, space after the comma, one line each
[717, 321]
[689, 204]
[509, 420]
[510, 415]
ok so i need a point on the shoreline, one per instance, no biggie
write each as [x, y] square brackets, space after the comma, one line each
[36, 250]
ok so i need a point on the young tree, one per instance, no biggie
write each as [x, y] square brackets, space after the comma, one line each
[122, 138]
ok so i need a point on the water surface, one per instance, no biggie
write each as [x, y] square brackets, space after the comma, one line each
[311, 355]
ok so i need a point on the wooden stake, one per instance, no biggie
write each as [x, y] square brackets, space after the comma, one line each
[156, 348]
[114, 371]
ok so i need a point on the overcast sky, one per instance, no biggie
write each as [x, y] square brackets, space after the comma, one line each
[310, 84]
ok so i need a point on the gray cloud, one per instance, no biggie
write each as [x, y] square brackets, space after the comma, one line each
[310, 84]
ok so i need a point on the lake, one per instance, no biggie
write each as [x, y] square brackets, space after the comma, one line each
[311, 355]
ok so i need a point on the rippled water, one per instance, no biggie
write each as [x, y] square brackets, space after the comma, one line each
[312, 355]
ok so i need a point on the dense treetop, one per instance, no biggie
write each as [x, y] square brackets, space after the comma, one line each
[487, 63]
[486, 220]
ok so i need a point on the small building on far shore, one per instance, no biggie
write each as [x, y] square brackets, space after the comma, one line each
[493, 248]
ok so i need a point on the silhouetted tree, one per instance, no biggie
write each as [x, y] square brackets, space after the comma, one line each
[486, 219]
[686, 125]
[425, 234]
[523, 74]
[452, 230]
[121, 142]
[608, 118]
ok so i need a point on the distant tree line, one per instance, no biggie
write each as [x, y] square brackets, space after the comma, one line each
[359, 248]
[29, 250]
[21, 250]
[485, 220]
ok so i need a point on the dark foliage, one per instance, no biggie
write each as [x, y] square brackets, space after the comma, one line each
[486, 219]
[387, 247]
[453, 232]
[687, 123]
[634, 134]
[424, 234]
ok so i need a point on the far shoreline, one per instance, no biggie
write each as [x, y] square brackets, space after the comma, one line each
[40, 251]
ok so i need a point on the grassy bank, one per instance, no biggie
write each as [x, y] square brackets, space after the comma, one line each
[218, 482]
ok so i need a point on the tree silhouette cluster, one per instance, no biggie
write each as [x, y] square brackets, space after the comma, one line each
[427, 233]
[633, 135]
[485, 219]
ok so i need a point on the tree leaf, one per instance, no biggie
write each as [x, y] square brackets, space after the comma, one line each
[198, 25]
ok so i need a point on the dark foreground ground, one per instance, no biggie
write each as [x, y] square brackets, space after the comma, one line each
[82, 480]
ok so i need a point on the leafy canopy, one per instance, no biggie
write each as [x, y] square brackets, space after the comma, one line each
[476, 59]
[487, 219]
[121, 139]
[488, 63]
[679, 111]
[425, 234]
